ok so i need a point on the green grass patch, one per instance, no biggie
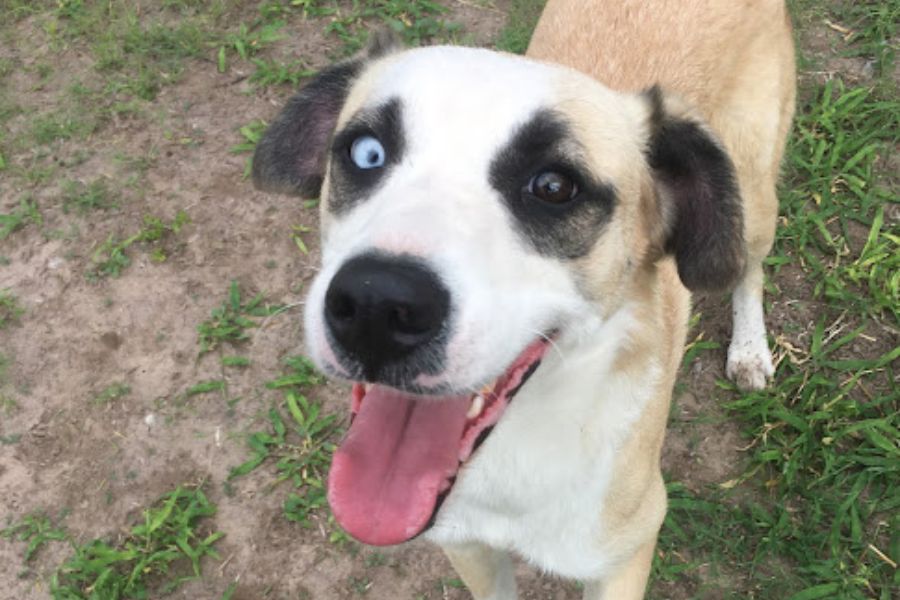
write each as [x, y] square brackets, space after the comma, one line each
[834, 203]
[49, 128]
[111, 393]
[153, 559]
[416, 21]
[299, 442]
[10, 309]
[235, 361]
[85, 198]
[252, 132]
[248, 40]
[230, 322]
[205, 387]
[873, 28]
[37, 529]
[273, 72]
[27, 212]
[520, 23]
[111, 257]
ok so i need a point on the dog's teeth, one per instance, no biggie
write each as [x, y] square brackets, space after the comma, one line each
[367, 387]
[476, 407]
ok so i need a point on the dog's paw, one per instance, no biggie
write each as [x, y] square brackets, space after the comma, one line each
[749, 364]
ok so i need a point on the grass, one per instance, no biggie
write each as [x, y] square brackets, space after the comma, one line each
[111, 257]
[230, 322]
[252, 132]
[154, 558]
[111, 393]
[10, 309]
[300, 442]
[84, 198]
[27, 212]
[523, 16]
[49, 128]
[37, 529]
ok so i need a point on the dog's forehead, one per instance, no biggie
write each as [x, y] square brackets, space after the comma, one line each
[459, 88]
[475, 100]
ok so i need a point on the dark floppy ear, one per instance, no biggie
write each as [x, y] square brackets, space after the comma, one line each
[290, 158]
[697, 184]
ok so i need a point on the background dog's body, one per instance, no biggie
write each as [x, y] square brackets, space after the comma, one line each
[531, 203]
[734, 63]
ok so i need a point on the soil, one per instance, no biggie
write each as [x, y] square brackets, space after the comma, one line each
[104, 462]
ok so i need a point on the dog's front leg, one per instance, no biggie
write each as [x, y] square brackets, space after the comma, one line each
[629, 582]
[487, 572]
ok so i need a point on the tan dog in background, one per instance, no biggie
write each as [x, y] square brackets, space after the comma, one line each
[508, 246]
[734, 63]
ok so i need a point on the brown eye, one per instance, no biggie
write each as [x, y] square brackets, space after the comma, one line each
[552, 187]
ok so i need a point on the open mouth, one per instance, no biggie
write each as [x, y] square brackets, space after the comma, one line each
[402, 452]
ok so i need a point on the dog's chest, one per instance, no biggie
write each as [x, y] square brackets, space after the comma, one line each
[537, 485]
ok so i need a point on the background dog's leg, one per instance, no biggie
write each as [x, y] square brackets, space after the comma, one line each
[629, 582]
[754, 130]
[487, 572]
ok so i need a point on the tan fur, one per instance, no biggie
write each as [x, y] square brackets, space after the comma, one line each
[733, 62]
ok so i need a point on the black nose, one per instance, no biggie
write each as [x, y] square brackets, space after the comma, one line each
[382, 308]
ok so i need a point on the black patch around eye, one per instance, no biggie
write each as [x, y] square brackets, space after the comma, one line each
[349, 183]
[565, 230]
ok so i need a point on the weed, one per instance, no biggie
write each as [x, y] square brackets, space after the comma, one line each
[230, 321]
[249, 40]
[272, 72]
[204, 387]
[873, 29]
[111, 257]
[37, 529]
[112, 393]
[235, 361]
[300, 444]
[27, 212]
[10, 309]
[301, 372]
[49, 128]
[148, 58]
[251, 132]
[169, 535]
[297, 236]
[417, 21]
[86, 197]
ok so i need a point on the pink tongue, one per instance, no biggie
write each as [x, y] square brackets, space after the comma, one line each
[397, 458]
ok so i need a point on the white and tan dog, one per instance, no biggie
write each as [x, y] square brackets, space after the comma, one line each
[508, 245]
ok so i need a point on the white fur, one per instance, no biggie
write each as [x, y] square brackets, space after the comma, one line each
[749, 362]
[544, 498]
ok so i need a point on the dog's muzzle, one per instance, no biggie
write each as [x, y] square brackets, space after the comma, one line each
[381, 310]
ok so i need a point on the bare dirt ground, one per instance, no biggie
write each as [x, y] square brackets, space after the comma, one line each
[104, 461]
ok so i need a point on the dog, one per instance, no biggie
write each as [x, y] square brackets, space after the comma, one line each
[508, 249]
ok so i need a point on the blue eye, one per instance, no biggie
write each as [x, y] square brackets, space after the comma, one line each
[366, 152]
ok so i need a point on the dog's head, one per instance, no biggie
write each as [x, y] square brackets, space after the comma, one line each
[476, 205]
